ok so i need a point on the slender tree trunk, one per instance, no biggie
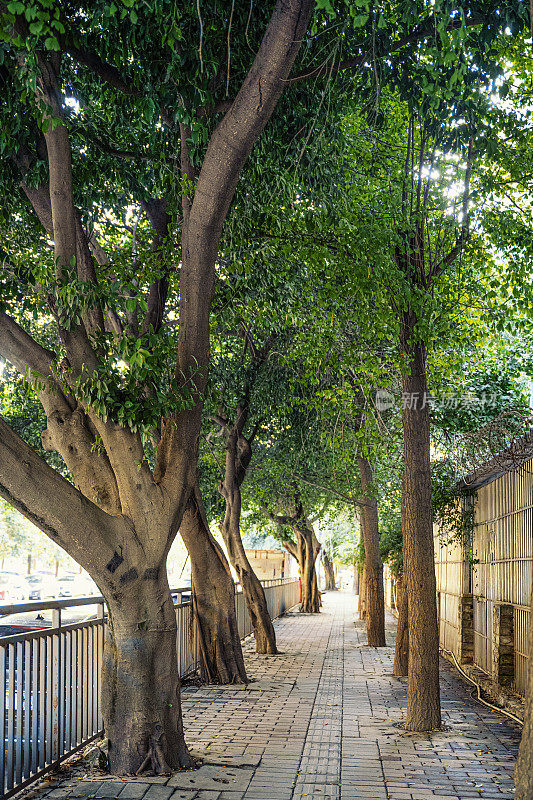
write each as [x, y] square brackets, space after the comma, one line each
[238, 455]
[362, 593]
[375, 597]
[213, 601]
[524, 765]
[401, 652]
[29, 563]
[140, 684]
[423, 696]
[329, 572]
[254, 594]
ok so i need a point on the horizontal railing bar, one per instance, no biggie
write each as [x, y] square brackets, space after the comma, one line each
[68, 626]
[43, 605]
[43, 632]
[94, 600]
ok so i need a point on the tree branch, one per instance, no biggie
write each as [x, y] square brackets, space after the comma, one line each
[58, 509]
[279, 519]
[291, 548]
[341, 495]
[228, 149]
[75, 340]
[68, 431]
[156, 211]
[99, 67]
[424, 29]
[319, 513]
[19, 348]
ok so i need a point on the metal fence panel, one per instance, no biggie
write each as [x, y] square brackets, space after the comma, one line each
[502, 550]
[50, 680]
[452, 580]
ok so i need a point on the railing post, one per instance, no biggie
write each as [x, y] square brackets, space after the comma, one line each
[3, 678]
[56, 684]
[100, 640]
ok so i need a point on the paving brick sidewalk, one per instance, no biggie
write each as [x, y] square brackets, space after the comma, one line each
[322, 721]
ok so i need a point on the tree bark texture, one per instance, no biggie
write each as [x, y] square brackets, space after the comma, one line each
[329, 572]
[140, 684]
[423, 695]
[311, 599]
[305, 550]
[375, 596]
[401, 651]
[308, 548]
[213, 590]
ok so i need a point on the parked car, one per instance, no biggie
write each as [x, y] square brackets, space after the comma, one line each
[40, 587]
[76, 586]
[12, 588]
[65, 586]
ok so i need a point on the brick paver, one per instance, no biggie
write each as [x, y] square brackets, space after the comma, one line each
[322, 720]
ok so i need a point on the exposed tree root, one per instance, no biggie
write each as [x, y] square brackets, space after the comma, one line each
[155, 761]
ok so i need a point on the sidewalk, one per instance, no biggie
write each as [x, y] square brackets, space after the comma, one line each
[321, 721]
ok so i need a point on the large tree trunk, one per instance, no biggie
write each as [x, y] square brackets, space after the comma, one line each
[213, 601]
[423, 696]
[140, 684]
[329, 572]
[401, 652]
[375, 597]
[524, 765]
[121, 522]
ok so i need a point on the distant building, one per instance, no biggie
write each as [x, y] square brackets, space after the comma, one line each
[268, 564]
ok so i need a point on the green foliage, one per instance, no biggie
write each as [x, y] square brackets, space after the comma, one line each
[309, 249]
[453, 506]
[391, 544]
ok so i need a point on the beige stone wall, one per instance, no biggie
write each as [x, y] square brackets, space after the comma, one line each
[269, 564]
